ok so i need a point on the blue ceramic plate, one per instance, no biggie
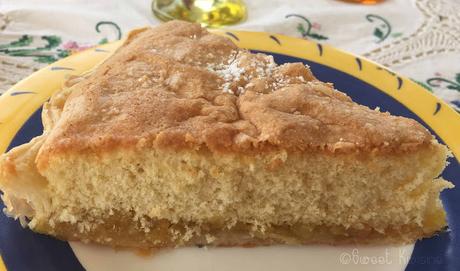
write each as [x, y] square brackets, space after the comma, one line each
[365, 82]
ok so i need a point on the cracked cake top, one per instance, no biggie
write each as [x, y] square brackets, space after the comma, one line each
[178, 86]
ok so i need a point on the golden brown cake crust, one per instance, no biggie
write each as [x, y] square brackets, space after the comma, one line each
[178, 86]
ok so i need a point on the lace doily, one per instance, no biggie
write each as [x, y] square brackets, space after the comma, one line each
[439, 33]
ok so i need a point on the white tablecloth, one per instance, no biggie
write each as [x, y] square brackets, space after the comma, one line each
[418, 38]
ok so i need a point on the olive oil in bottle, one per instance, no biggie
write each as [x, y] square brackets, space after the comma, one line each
[210, 13]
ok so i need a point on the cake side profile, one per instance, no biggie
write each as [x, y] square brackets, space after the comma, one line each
[181, 138]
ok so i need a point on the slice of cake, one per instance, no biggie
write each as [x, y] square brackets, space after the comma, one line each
[181, 138]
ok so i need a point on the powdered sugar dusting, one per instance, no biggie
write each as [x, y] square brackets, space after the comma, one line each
[231, 73]
[240, 69]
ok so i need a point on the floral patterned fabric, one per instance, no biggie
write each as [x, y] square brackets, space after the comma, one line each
[35, 33]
